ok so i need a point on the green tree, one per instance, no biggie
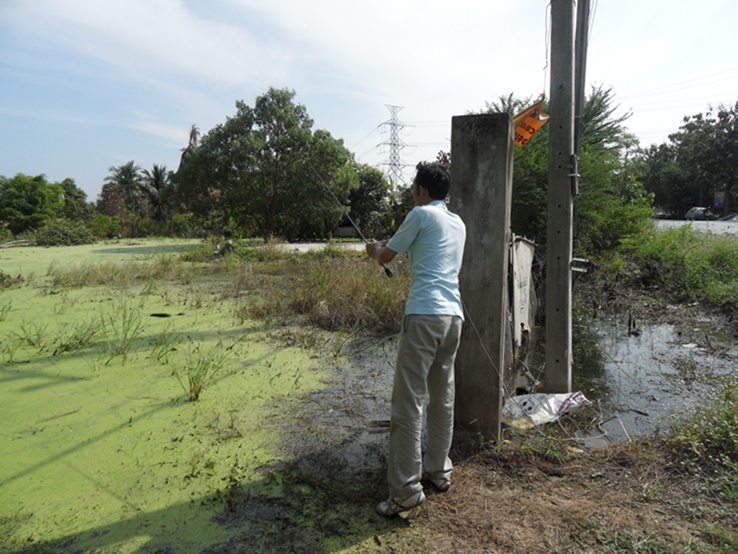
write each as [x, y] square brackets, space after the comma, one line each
[192, 145]
[705, 159]
[664, 178]
[263, 170]
[75, 206]
[530, 175]
[127, 179]
[27, 202]
[110, 201]
[370, 202]
[153, 186]
[611, 203]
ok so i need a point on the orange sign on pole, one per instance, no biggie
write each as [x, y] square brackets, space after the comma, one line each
[528, 122]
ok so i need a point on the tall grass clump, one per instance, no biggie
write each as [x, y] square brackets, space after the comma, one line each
[707, 441]
[7, 281]
[120, 274]
[331, 251]
[10, 344]
[5, 307]
[199, 368]
[684, 265]
[164, 344]
[122, 328]
[107, 274]
[33, 334]
[344, 293]
[80, 334]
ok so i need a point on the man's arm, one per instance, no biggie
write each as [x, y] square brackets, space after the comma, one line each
[380, 252]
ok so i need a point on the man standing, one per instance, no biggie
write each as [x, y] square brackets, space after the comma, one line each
[434, 239]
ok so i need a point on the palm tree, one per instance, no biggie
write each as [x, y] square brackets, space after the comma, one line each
[127, 179]
[152, 185]
[192, 146]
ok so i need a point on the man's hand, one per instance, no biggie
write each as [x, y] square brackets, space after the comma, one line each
[379, 251]
[371, 248]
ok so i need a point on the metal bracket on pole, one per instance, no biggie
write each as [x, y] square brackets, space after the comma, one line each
[579, 268]
[574, 175]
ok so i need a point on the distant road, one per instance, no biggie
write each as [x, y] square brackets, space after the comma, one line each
[308, 246]
[715, 227]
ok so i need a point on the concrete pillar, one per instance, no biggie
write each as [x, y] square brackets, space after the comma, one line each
[481, 176]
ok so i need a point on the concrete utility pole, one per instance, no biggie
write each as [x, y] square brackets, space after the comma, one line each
[580, 61]
[562, 182]
[481, 173]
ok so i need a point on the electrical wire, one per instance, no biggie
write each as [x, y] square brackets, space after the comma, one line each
[547, 45]
[592, 16]
[690, 83]
[366, 137]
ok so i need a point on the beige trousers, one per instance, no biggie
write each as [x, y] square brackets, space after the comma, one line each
[425, 365]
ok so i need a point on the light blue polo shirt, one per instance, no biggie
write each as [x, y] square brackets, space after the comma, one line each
[434, 239]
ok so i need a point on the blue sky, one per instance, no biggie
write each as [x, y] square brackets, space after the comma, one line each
[90, 84]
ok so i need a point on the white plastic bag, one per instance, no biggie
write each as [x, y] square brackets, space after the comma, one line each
[529, 410]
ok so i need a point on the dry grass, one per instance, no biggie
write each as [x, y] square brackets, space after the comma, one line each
[628, 498]
[348, 294]
[341, 293]
[119, 274]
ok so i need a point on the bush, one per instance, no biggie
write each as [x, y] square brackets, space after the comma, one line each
[5, 234]
[708, 440]
[63, 232]
[345, 293]
[684, 265]
[105, 226]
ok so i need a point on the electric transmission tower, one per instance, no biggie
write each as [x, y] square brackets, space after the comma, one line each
[395, 163]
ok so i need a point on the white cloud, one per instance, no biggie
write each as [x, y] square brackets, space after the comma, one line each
[417, 51]
[174, 135]
[157, 39]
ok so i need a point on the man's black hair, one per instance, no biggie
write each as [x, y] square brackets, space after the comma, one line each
[435, 177]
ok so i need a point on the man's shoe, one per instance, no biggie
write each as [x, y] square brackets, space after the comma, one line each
[441, 485]
[394, 506]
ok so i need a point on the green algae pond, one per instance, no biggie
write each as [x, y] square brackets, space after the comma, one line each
[141, 411]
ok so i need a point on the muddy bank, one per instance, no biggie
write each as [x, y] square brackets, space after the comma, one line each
[503, 499]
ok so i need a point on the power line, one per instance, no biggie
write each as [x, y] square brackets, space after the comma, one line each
[366, 152]
[365, 137]
[690, 83]
[430, 124]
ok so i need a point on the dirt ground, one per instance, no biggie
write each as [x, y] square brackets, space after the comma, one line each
[511, 498]
[627, 498]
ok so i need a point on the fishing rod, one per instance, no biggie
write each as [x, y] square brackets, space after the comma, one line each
[320, 178]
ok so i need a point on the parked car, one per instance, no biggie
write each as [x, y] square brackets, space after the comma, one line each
[659, 213]
[698, 212]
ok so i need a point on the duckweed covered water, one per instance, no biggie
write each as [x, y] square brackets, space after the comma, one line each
[103, 452]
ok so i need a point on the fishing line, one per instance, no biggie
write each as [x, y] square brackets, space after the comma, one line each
[356, 227]
[468, 316]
